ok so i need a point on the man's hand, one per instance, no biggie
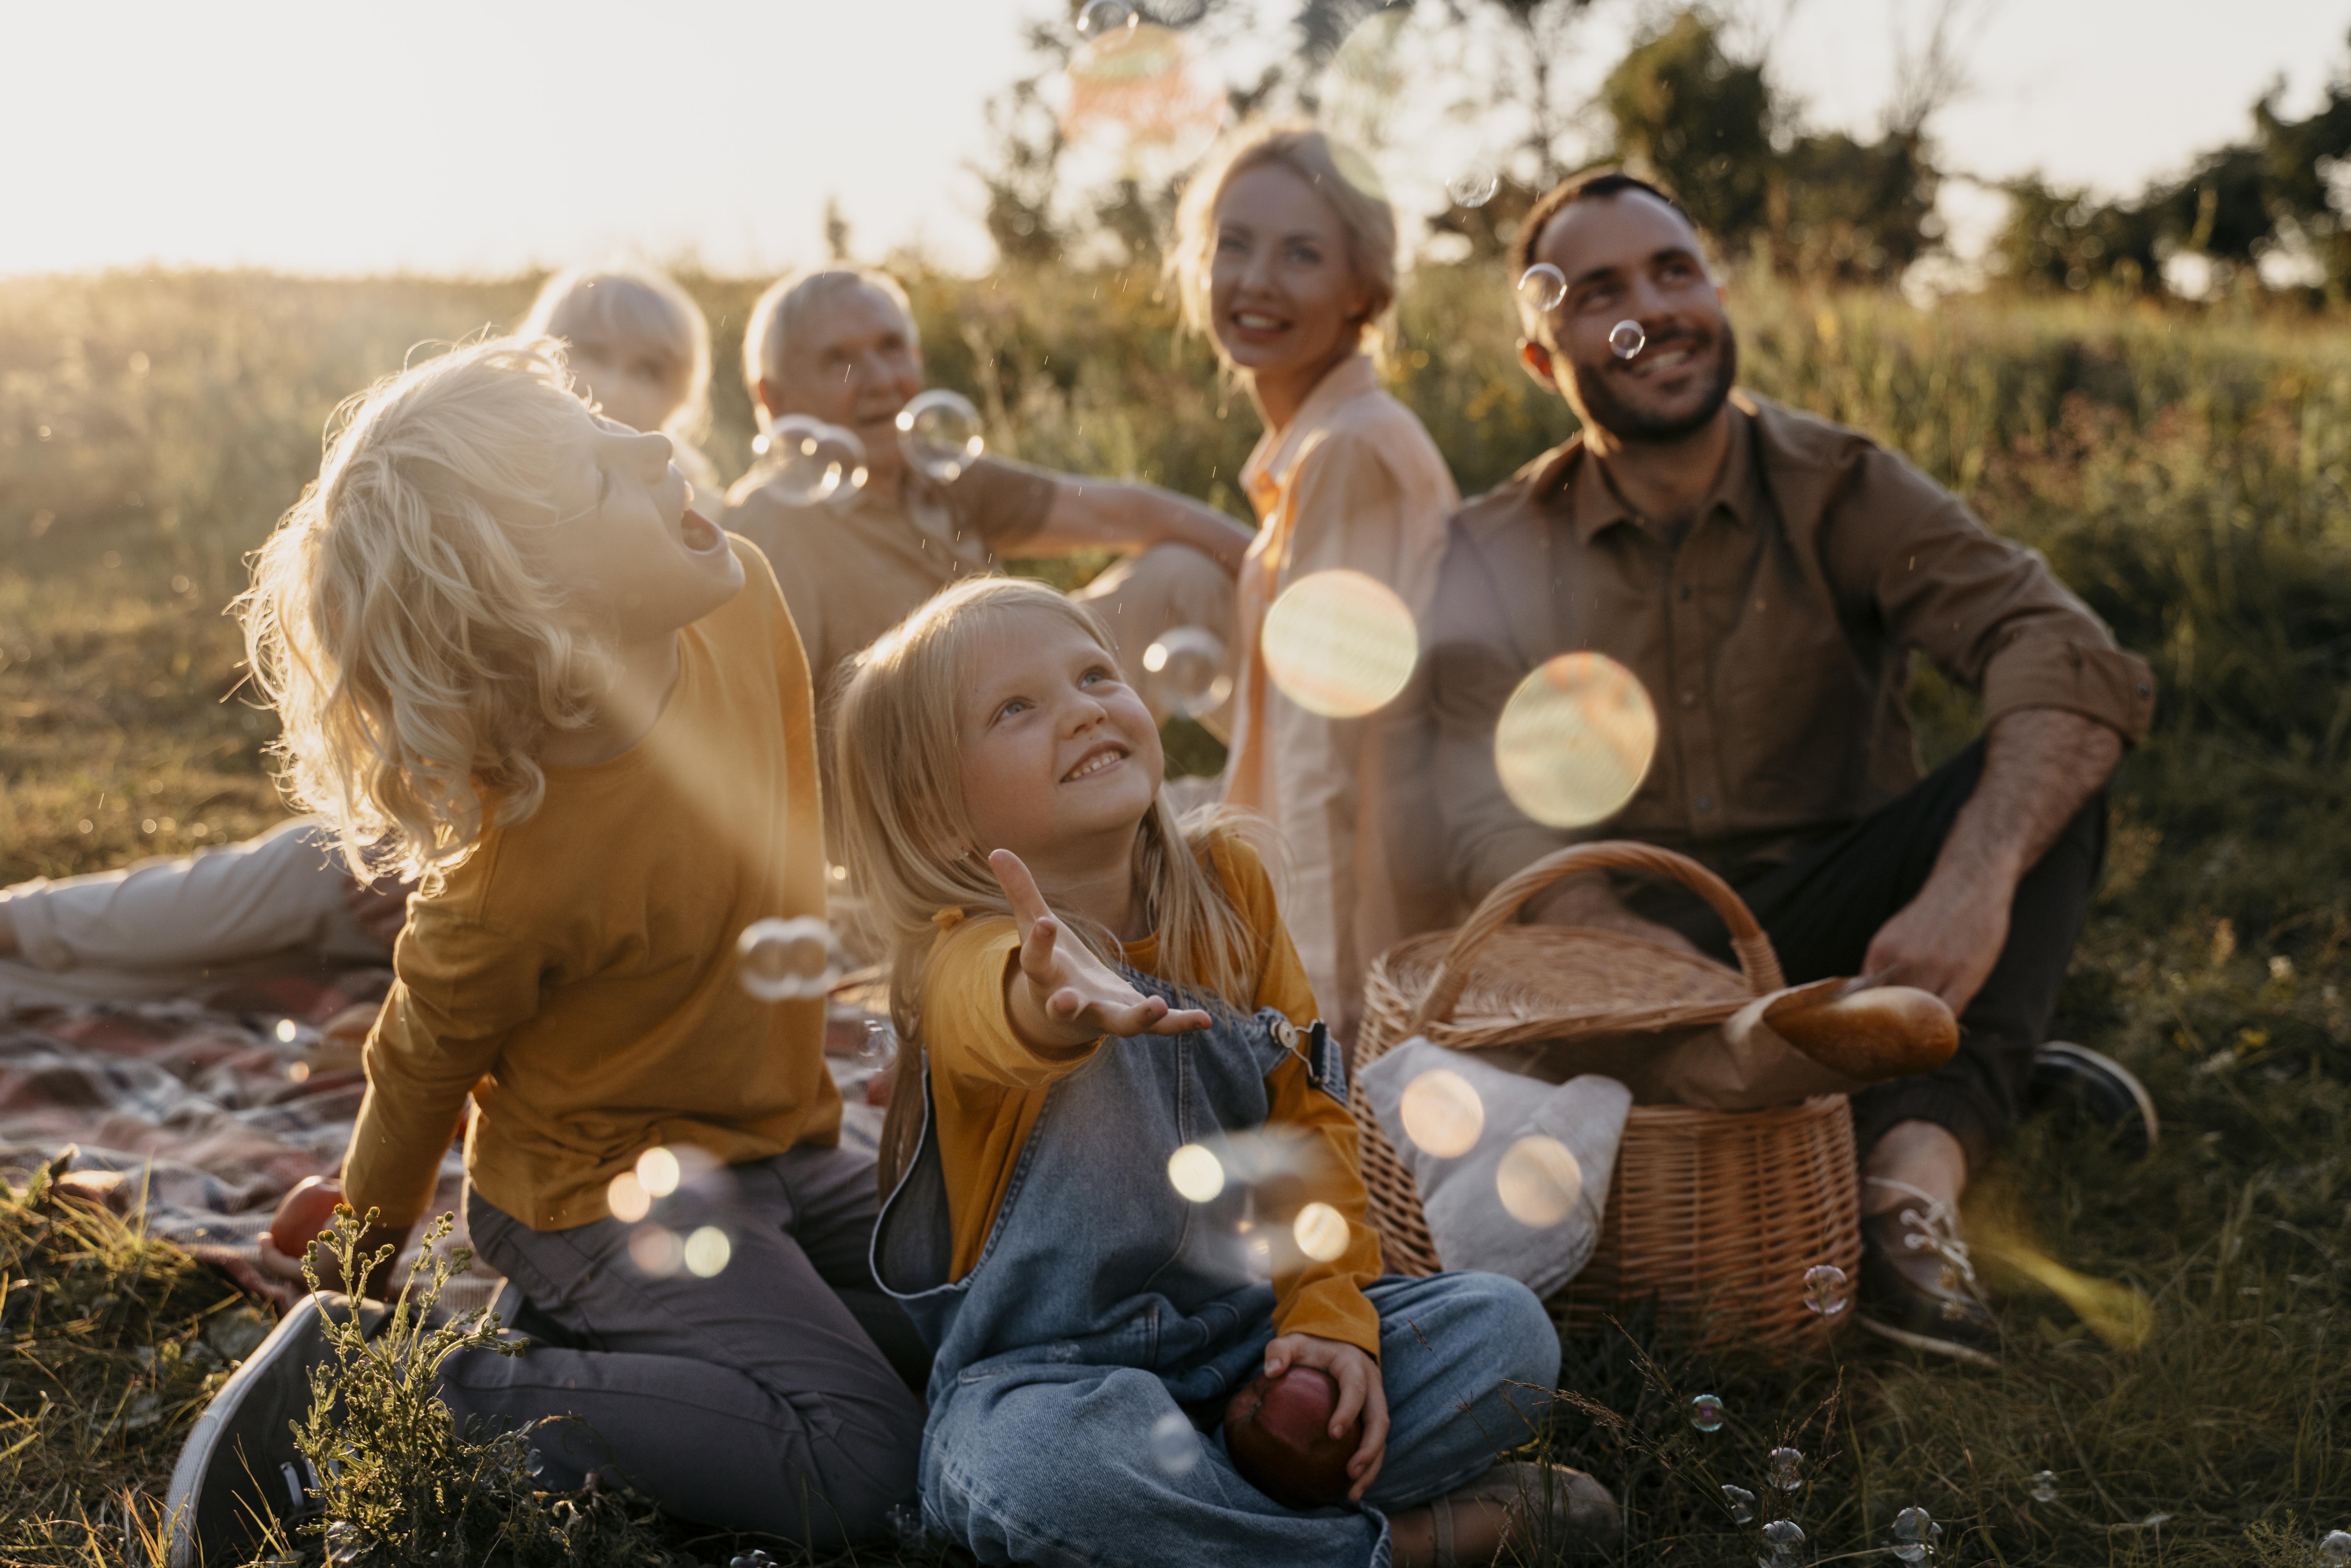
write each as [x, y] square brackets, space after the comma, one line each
[2040, 766]
[1360, 1389]
[1064, 997]
[1946, 940]
[381, 908]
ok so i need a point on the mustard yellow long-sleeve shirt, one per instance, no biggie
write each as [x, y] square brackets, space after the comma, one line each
[987, 1089]
[577, 974]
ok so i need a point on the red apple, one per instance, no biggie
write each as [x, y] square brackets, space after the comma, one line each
[1278, 1430]
[304, 1214]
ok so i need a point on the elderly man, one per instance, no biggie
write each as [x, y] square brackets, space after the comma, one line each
[839, 345]
[1766, 576]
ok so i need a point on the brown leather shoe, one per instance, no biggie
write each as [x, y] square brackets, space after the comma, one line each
[1918, 1286]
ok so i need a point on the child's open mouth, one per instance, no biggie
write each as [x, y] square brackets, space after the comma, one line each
[702, 536]
[1095, 762]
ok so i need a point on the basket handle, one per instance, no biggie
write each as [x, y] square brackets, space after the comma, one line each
[1748, 939]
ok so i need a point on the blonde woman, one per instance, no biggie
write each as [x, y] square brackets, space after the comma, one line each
[640, 347]
[1287, 258]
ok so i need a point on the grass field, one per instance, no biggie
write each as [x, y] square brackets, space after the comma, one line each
[2189, 474]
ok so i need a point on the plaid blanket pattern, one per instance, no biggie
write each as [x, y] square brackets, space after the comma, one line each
[212, 1106]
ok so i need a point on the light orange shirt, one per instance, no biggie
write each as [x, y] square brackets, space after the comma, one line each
[576, 975]
[987, 1089]
[1353, 482]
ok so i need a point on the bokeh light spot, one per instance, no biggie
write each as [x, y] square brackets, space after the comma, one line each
[1576, 740]
[1320, 1232]
[1340, 644]
[626, 1196]
[1539, 1182]
[658, 1172]
[1197, 1174]
[1442, 1114]
[707, 1252]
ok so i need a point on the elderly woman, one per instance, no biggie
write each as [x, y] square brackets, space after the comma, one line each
[1287, 259]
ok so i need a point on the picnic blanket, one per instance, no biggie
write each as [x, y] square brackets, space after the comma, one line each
[213, 1105]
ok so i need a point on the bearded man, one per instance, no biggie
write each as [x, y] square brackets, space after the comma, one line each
[1767, 576]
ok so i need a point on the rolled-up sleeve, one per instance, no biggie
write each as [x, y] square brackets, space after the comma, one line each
[1988, 611]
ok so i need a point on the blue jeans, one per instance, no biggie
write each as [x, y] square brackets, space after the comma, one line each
[1054, 1463]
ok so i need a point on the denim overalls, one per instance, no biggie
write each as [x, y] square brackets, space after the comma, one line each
[1102, 1302]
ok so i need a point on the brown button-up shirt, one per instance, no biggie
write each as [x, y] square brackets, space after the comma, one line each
[1772, 634]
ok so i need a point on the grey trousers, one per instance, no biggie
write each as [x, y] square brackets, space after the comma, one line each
[162, 927]
[764, 1398]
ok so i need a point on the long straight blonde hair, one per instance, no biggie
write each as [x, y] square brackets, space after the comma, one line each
[908, 831]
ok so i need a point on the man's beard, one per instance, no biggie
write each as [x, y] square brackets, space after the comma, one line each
[1601, 405]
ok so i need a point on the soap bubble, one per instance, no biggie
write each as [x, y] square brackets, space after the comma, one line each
[1103, 17]
[1706, 1412]
[626, 1196]
[343, 1542]
[1197, 1174]
[1142, 99]
[1627, 339]
[1175, 1443]
[787, 960]
[878, 1047]
[1914, 1534]
[905, 1522]
[1188, 670]
[656, 1249]
[1442, 1114]
[1826, 1291]
[1539, 1182]
[1473, 184]
[1743, 1504]
[939, 432]
[1786, 1469]
[707, 1252]
[755, 1558]
[1340, 644]
[658, 1172]
[1320, 1232]
[1542, 287]
[804, 464]
[839, 446]
[2044, 1486]
[2336, 1550]
[1576, 740]
[1781, 1540]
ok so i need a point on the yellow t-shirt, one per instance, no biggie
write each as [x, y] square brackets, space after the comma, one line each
[576, 975]
[987, 1089]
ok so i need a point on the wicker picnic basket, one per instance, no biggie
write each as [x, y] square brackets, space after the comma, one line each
[1716, 1214]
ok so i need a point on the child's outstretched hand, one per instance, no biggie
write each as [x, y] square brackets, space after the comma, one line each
[1065, 996]
[1361, 1392]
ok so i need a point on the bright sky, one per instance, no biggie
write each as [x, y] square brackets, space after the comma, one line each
[445, 136]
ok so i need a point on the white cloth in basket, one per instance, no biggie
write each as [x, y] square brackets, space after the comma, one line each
[1505, 1204]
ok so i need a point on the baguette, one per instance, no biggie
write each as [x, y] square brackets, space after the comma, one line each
[1884, 1032]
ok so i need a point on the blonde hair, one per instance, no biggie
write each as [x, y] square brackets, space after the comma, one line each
[1340, 174]
[634, 305]
[911, 849]
[783, 310]
[413, 654]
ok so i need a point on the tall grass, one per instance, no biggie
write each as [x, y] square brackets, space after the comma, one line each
[2187, 474]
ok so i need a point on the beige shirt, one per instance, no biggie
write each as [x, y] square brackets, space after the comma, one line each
[1773, 636]
[1354, 482]
[850, 575]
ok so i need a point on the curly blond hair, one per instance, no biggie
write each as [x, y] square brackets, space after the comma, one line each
[414, 654]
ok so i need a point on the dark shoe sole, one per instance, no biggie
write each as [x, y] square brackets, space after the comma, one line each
[2102, 1085]
[299, 1336]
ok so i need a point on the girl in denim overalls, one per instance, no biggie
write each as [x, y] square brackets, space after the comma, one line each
[1083, 989]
